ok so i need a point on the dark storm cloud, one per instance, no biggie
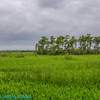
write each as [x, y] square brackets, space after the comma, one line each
[22, 21]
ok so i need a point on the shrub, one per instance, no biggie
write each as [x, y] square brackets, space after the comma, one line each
[4, 55]
[67, 56]
[20, 56]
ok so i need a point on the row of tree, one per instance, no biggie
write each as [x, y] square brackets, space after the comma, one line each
[85, 44]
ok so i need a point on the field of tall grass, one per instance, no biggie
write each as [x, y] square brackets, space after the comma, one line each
[76, 77]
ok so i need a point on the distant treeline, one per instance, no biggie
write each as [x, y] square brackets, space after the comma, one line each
[85, 44]
[16, 51]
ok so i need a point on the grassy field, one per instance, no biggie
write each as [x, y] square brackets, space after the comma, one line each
[50, 77]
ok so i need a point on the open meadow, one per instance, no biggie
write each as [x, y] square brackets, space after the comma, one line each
[74, 77]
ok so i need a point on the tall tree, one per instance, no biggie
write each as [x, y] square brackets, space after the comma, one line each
[60, 42]
[52, 40]
[66, 39]
[43, 44]
[73, 42]
[83, 44]
[97, 42]
[89, 40]
[52, 45]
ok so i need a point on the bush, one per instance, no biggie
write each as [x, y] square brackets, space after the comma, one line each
[4, 55]
[20, 56]
[67, 56]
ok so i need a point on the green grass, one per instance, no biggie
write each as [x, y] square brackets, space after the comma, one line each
[50, 77]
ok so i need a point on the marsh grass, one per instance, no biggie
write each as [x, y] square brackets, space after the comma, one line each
[51, 77]
[68, 57]
[20, 56]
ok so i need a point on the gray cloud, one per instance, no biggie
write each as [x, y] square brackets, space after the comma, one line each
[22, 21]
[51, 3]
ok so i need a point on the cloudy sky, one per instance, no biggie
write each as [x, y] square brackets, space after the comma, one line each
[25, 21]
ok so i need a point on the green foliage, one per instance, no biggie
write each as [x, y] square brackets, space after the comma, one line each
[85, 44]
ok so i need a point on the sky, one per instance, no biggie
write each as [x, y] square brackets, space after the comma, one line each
[23, 22]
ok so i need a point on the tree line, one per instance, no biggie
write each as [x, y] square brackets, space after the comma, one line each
[85, 44]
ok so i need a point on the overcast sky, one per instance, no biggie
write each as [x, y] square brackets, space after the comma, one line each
[25, 21]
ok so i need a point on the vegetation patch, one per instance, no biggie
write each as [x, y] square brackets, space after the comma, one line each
[51, 77]
[4, 55]
[85, 44]
[20, 56]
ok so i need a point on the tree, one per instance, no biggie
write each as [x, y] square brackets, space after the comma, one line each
[83, 44]
[61, 45]
[66, 39]
[73, 44]
[52, 42]
[97, 42]
[89, 40]
[43, 44]
[60, 42]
